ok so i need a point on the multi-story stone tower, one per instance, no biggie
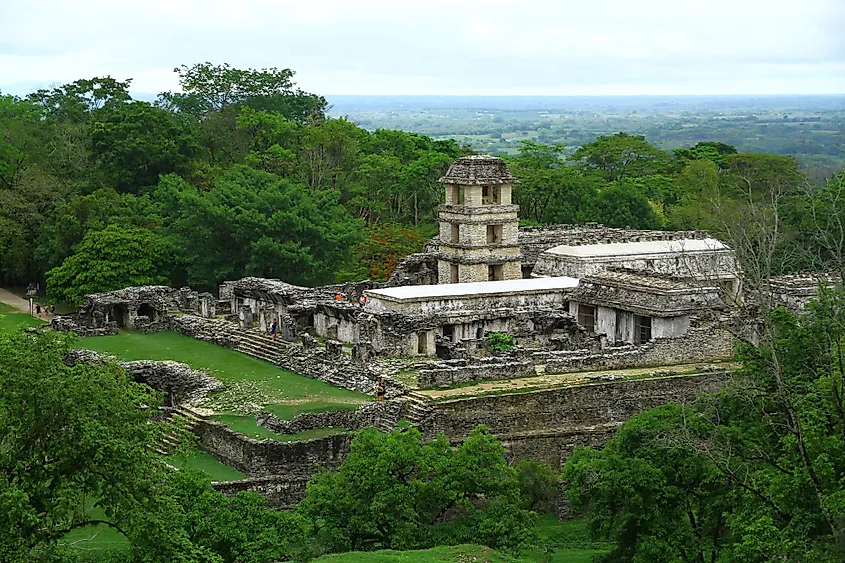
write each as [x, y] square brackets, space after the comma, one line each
[478, 223]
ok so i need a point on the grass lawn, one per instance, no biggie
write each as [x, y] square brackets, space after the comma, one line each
[251, 384]
[92, 542]
[568, 542]
[442, 554]
[247, 426]
[11, 320]
[198, 459]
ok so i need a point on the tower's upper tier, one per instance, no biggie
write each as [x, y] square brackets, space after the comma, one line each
[477, 170]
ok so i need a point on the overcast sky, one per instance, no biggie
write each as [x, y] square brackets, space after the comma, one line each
[462, 47]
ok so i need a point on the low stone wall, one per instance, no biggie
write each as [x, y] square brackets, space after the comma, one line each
[185, 386]
[371, 415]
[446, 374]
[72, 323]
[546, 424]
[294, 460]
[282, 492]
[202, 329]
[697, 345]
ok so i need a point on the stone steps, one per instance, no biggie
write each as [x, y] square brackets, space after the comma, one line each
[416, 408]
[171, 440]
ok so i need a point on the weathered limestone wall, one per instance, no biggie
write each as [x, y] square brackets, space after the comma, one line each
[295, 460]
[702, 344]
[282, 492]
[547, 424]
[185, 386]
[144, 308]
[382, 415]
[453, 372]
[713, 265]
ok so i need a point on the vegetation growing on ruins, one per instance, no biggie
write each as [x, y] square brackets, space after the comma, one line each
[500, 341]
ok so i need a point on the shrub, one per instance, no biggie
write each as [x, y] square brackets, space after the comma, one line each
[500, 341]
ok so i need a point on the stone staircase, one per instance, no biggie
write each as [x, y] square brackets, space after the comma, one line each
[260, 346]
[185, 421]
[416, 408]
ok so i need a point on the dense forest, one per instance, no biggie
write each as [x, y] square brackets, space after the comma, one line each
[242, 173]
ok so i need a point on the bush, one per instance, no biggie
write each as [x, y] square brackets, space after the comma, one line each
[500, 341]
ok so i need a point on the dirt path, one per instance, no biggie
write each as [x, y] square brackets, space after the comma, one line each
[546, 381]
[10, 298]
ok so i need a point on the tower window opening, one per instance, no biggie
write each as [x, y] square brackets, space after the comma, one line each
[494, 234]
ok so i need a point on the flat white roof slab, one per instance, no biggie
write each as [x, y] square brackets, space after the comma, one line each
[449, 290]
[639, 248]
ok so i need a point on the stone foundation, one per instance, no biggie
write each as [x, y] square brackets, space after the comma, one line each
[547, 424]
[454, 372]
[706, 344]
[282, 492]
[293, 460]
[381, 415]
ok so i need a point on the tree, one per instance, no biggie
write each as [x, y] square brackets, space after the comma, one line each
[76, 450]
[252, 222]
[113, 258]
[652, 493]
[240, 529]
[383, 247]
[622, 205]
[78, 100]
[620, 156]
[753, 473]
[713, 151]
[136, 143]
[394, 491]
[538, 485]
[208, 88]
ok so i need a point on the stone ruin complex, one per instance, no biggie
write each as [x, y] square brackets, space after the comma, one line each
[606, 322]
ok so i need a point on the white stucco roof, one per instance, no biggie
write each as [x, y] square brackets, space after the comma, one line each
[639, 248]
[416, 292]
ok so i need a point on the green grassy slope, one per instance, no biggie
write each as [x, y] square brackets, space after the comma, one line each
[249, 382]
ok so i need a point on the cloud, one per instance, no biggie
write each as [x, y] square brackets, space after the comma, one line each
[438, 46]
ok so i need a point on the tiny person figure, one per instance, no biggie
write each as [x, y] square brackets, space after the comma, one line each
[380, 390]
[38, 309]
[362, 300]
[273, 326]
[53, 309]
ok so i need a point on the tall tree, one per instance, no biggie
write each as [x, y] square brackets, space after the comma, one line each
[116, 257]
[208, 88]
[619, 156]
[136, 143]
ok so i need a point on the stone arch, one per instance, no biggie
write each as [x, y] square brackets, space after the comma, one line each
[120, 315]
[147, 310]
